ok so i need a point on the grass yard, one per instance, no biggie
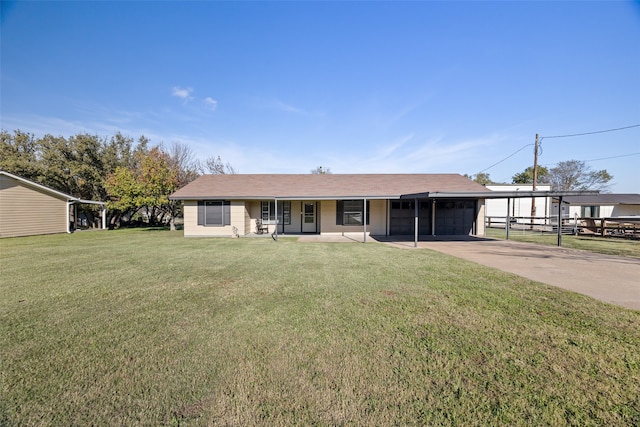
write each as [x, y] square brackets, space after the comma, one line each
[149, 328]
[603, 245]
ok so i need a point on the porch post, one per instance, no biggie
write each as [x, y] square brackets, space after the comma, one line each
[415, 223]
[364, 220]
[507, 220]
[560, 221]
[275, 233]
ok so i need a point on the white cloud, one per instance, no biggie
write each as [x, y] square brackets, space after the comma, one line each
[279, 105]
[387, 151]
[288, 108]
[210, 103]
[182, 93]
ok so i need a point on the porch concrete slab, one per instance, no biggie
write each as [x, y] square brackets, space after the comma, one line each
[608, 278]
[333, 238]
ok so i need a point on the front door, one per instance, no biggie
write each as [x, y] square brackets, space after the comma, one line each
[308, 217]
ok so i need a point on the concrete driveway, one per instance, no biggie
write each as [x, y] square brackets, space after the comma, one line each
[608, 278]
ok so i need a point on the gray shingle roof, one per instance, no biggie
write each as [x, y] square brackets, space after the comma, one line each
[329, 186]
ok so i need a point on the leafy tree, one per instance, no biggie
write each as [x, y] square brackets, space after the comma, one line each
[19, 153]
[215, 165]
[128, 175]
[145, 186]
[481, 178]
[526, 177]
[159, 180]
[124, 191]
[187, 168]
[321, 171]
[576, 175]
[118, 152]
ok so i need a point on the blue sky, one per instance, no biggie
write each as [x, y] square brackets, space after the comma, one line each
[358, 87]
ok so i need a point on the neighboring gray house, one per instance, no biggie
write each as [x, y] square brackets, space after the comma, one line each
[28, 208]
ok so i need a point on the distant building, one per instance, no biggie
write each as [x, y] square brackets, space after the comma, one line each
[519, 207]
[599, 206]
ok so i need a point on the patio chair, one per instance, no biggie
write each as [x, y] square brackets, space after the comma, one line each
[260, 227]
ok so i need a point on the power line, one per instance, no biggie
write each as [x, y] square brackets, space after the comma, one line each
[508, 157]
[601, 158]
[590, 133]
[567, 136]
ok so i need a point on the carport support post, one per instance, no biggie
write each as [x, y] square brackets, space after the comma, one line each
[415, 225]
[433, 217]
[507, 224]
[560, 221]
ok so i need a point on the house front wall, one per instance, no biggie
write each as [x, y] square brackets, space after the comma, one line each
[27, 211]
[245, 213]
[238, 221]
[377, 219]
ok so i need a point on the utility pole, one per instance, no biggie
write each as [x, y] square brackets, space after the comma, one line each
[535, 178]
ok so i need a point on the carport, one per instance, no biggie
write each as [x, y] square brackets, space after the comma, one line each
[462, 202]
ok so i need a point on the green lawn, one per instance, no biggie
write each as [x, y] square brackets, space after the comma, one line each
[603, 245]
[149, 328]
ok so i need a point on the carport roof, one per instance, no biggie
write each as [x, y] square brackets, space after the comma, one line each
[605, 199]
[324, 186]
[499, 194]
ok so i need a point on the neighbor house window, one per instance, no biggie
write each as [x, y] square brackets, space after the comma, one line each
[214, 213]
[269, 212]
[351, 212]
[590, 211]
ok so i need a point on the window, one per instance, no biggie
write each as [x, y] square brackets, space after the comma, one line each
[214, 213]
[590, 211]
[269, 212]
[351, 212]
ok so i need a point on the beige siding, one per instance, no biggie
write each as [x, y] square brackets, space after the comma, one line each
[192, 229]
[480, 218]
[254, 208]
[27, 211]
[377, 219]
[247, 221]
